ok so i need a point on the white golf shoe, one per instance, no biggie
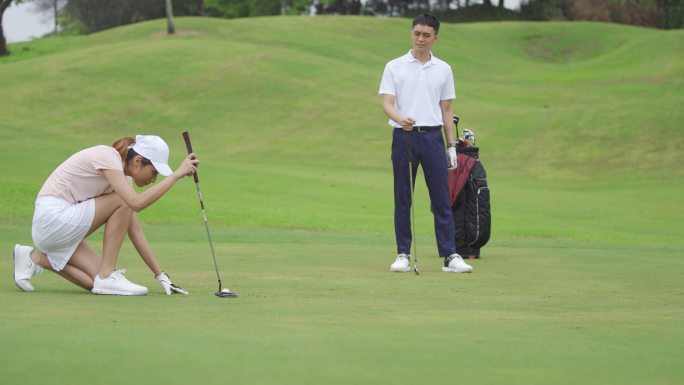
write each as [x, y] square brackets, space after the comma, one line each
[24, 268]
[454, 264]
[402, 264]
[116, 284]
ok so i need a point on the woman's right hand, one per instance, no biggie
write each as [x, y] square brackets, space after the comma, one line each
[188, 167]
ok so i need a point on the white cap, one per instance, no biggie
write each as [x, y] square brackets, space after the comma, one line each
[154, 149]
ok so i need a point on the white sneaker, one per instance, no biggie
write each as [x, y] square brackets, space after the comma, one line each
[24, 268]
[116, 284]
[454, 264]
[402, 264]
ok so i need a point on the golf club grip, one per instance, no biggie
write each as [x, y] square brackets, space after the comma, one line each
[188, 146]
[456, 120]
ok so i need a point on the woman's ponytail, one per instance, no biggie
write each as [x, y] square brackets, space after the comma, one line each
[121, 145]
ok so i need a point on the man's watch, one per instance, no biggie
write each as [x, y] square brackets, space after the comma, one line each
[451, 145]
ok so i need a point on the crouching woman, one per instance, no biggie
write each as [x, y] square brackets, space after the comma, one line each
[90, 189]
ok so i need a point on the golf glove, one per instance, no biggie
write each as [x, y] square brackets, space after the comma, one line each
[168, 286]
[451, 157]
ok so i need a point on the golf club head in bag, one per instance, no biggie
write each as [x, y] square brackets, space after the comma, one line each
[459, 140]
[469, 136]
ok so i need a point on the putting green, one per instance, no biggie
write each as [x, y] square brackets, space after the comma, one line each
[320, 307]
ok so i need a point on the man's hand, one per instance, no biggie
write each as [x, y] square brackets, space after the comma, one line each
[407, 124]
[452, 158]
[168, 286]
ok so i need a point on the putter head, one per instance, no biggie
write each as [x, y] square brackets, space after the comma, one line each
[225, 293]
[415, 270]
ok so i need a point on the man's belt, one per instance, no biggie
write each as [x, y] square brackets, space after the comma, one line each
[426, 128]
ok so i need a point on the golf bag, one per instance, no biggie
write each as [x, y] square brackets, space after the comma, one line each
[469, 195]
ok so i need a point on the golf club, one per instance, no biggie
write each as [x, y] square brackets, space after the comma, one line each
[456, 119]
[224, 293]
[469, 136]
[413, 222]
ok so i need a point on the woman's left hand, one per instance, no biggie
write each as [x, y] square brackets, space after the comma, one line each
[168, 286]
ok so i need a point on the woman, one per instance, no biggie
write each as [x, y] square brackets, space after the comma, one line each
[90, 189]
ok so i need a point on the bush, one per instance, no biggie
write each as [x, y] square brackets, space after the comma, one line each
[542, 10]
[476, 13]
[647, 13]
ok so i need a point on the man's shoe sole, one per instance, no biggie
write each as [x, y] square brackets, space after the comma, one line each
[451, 270]
[396, 270]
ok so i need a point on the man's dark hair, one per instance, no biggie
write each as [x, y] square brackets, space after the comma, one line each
[427, 19]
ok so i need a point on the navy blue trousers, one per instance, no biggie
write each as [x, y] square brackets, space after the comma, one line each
[427, 149]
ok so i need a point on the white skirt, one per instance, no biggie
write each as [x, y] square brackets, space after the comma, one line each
[59, 227]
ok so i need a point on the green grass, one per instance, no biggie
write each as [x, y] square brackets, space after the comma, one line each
[528, 315]
[580, 131]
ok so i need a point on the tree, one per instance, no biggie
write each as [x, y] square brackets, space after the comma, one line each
[88, 16]
[50, 6]
[170, 28]
[673, 13]
[542, 9]
[4, 4]
[200, 7]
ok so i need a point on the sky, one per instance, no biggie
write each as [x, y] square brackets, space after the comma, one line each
[23, 23]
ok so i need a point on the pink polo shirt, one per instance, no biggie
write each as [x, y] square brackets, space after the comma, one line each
[80, 177]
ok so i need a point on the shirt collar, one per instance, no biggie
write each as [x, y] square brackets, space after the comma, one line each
[409, 58]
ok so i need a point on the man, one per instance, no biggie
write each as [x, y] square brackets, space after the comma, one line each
[416, 91]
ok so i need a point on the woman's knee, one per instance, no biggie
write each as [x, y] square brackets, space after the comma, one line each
[107, 207]
[124, 209]
[108, 203]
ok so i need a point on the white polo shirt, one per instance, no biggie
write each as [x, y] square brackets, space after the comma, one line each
[418, 88]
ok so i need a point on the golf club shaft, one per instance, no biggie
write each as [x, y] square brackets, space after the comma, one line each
[211, 243]
[413, 222]
[188, 145]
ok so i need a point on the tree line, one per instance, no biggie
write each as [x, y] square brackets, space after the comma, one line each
[88, 16]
